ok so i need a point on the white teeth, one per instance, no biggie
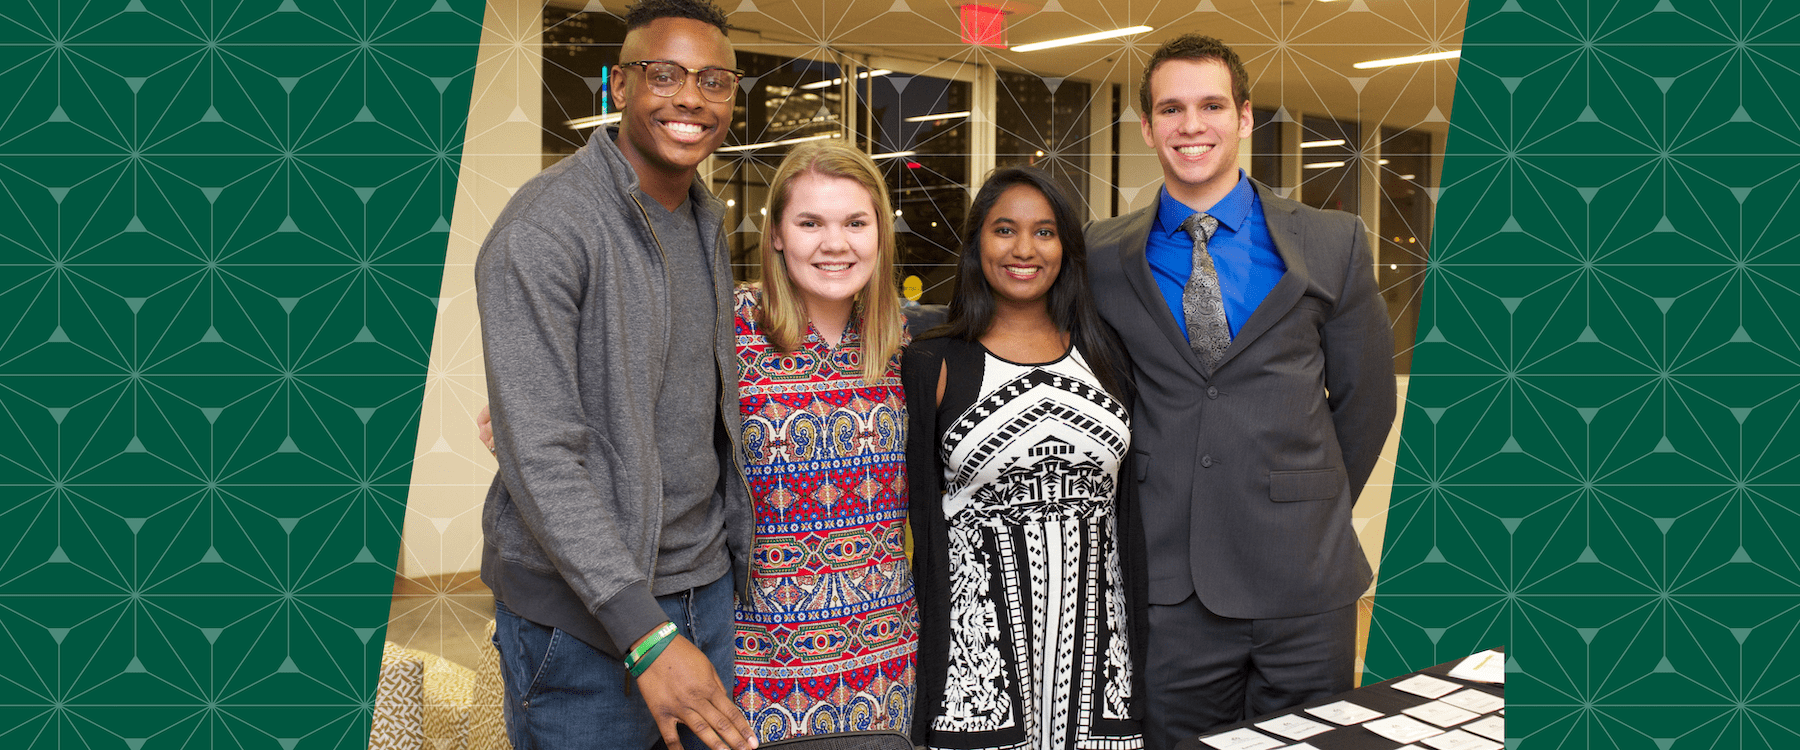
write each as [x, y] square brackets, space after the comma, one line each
[831, 266]
[1023, 272]
[1193, 150]
[684, 127]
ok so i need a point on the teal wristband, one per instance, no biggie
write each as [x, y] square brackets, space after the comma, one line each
[659, 635]
[637, 667]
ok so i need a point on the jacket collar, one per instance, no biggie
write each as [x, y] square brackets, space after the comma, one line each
[1281, 216]
[603, 157]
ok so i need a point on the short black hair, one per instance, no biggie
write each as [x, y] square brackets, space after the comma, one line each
[1197, 47]
[642, 12]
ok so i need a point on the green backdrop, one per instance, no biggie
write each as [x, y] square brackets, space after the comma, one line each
[1598, 463]
[222, 225]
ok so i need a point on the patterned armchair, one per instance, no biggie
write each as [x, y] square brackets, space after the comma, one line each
[426, 702]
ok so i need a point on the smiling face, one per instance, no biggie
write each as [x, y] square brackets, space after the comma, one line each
[1021, 249]
[829, 240]
[1194, 127]
[666, 138]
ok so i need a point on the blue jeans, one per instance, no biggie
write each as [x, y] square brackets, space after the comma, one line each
[561, 693]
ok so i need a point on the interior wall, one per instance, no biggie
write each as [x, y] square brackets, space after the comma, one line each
[503, 149]
[1140, 174]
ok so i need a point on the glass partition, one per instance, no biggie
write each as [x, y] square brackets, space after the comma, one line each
[782, 102]
[1044, 122]
[1328, 162]
[1405, 232]
[919, 134]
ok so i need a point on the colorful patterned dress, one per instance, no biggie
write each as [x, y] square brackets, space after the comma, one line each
[827, 640]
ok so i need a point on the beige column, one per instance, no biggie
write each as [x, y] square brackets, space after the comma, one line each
[503, 149]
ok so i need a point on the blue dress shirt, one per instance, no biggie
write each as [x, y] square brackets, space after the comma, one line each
[1242, 251]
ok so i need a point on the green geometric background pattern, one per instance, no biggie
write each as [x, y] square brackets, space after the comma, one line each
[1598, 463]
[222, 227]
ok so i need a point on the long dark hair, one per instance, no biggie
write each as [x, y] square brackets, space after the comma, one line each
[1070, 300]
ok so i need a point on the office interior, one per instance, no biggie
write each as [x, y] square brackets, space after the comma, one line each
[940, 93]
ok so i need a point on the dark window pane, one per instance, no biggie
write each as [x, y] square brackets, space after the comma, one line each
[1328, 172]
[1405, 233]
[1265, 149]
[920, 138]
[781, 101]
[579, 51]
[1044, 122]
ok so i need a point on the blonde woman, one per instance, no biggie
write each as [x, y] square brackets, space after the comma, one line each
[827, 640]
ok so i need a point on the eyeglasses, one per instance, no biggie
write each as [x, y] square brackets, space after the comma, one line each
[666, 79]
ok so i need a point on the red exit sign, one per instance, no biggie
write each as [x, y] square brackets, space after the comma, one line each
[984, 25]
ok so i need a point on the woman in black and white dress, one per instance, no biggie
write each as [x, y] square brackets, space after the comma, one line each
[1028, 551]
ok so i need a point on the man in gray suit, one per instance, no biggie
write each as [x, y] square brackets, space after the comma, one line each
[1263, 355]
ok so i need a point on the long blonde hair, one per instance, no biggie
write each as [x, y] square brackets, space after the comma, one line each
[783, 315]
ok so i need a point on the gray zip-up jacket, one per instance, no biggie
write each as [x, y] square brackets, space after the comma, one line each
[574, 318]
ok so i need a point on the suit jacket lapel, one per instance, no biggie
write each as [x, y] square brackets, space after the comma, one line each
[1137, 272]
[1285, 229]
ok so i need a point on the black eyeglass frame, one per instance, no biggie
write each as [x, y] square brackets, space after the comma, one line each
[692, 74]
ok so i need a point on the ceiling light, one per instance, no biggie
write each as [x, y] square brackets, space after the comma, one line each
[893, 155]
[1084, 38]
[1380, 161]
[1408, 177]
[1322, 144]
[1451, 55]
[938, 116]
[816, 85]
[581, 123]
[783, 142]
[1314, 165]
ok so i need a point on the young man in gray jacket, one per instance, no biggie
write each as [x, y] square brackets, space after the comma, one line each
[620, 518]
[1265, 384]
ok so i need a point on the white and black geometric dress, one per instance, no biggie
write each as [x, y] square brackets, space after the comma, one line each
[1038, 656]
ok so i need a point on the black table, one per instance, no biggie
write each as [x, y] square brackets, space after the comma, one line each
[1381, 696]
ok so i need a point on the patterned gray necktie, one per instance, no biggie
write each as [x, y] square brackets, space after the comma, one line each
[1208, 333]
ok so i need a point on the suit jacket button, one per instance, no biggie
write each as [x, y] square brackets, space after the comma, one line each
[1212, 391]
[1206, 461]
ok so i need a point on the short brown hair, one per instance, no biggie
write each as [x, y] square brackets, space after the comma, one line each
[1196, 47]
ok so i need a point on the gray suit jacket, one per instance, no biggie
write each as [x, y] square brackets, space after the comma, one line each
[1248, 472]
